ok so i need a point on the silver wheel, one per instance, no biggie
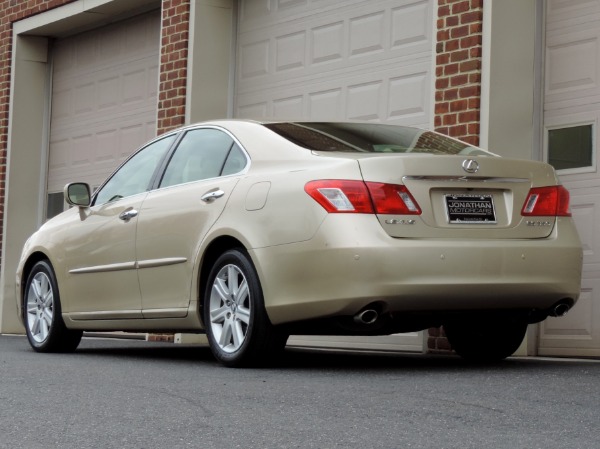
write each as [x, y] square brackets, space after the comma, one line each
[40, 307]
[46, 330]
[237, 326]
[230, 308]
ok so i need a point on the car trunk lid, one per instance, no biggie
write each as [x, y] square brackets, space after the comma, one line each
[475, 197]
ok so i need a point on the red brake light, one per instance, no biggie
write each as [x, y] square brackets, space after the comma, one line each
[393, 199]
[547, 201]
[343, 196]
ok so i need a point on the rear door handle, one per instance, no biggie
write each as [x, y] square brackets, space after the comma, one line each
[211, 196]
[127, 215]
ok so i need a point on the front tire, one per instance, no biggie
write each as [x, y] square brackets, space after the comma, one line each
[46, 330]
[485, 341]
[237, 326]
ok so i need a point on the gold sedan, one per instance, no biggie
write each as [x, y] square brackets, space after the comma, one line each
[252, 231]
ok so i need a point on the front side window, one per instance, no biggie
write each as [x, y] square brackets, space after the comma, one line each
[203, 154]
[135, 175]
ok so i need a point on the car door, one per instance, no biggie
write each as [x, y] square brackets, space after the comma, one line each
[99, 250]
[176, 217]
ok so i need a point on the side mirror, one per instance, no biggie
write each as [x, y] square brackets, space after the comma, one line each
[78, 194]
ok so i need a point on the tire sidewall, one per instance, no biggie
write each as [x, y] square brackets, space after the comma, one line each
[43, 267]
[244, 354]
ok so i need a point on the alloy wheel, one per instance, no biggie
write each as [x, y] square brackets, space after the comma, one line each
[40, 307]
[230, 308]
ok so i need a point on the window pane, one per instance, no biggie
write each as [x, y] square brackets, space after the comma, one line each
[55, 204]
[134, 177]
[570, 147]
[236, 161]
[200, 155]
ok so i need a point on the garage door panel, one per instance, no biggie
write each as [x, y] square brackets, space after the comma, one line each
[561, 13]
[576, 333]
[398, 95]
[586, 213]
[258, 13]
[104, 99]
[572, 67]
[375, 33]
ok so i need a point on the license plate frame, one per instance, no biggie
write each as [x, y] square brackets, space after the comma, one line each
[468, 208]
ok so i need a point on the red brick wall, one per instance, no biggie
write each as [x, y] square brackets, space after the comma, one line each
[173, 64]
[458, 86]
[458, 68]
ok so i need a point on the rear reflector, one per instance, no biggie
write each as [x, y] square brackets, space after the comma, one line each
[344, 196]
[552, 201]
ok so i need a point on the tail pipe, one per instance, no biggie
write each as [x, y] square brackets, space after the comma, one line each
[561, 308]
[367, 316]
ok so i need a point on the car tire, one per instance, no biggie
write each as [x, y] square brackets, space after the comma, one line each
[485, 341]
[237, 326]
[42, 313]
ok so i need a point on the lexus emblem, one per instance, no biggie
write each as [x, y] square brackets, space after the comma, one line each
[470, 166]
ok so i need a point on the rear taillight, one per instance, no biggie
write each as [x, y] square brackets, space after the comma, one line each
[341, 196]
[393, 199]
[344, 196]
[547, 201]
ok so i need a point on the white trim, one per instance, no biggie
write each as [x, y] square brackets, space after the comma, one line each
[433, 76]
[81, 15]
[539, 79]
[233, 61]
[190, 62]
[486, 50]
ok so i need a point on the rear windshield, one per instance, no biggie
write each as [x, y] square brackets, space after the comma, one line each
[370, 138]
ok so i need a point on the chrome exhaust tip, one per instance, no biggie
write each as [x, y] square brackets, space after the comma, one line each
[561, 309]
[367, 316]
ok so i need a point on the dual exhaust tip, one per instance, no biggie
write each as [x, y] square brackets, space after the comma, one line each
[370, 316]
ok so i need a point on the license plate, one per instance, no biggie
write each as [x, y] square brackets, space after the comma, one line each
[470, 209]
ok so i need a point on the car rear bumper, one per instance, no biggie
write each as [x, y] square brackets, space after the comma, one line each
[351, 262]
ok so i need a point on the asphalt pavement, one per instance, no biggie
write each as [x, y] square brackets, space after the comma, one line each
[134, 394]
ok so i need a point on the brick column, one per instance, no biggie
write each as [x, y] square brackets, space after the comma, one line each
[457, 87]
[173, 64]
[458, 68]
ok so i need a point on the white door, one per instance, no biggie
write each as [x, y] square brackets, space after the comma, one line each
[571, 120]
[337, 60]
[104, 101]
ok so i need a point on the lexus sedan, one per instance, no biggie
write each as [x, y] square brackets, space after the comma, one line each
[251, 231]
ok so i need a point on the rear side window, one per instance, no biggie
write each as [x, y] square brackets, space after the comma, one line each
[203, 154]
[370, 138]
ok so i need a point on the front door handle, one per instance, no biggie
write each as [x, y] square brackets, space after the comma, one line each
[128, 214]
[211, 196]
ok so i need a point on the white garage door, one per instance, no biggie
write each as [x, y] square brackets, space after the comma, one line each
[331, 59]
[571, 118]
[103, 101]
[337, 60]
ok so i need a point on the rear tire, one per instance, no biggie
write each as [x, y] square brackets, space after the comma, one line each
[485, 341]
[237, 326]
[46, 330]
